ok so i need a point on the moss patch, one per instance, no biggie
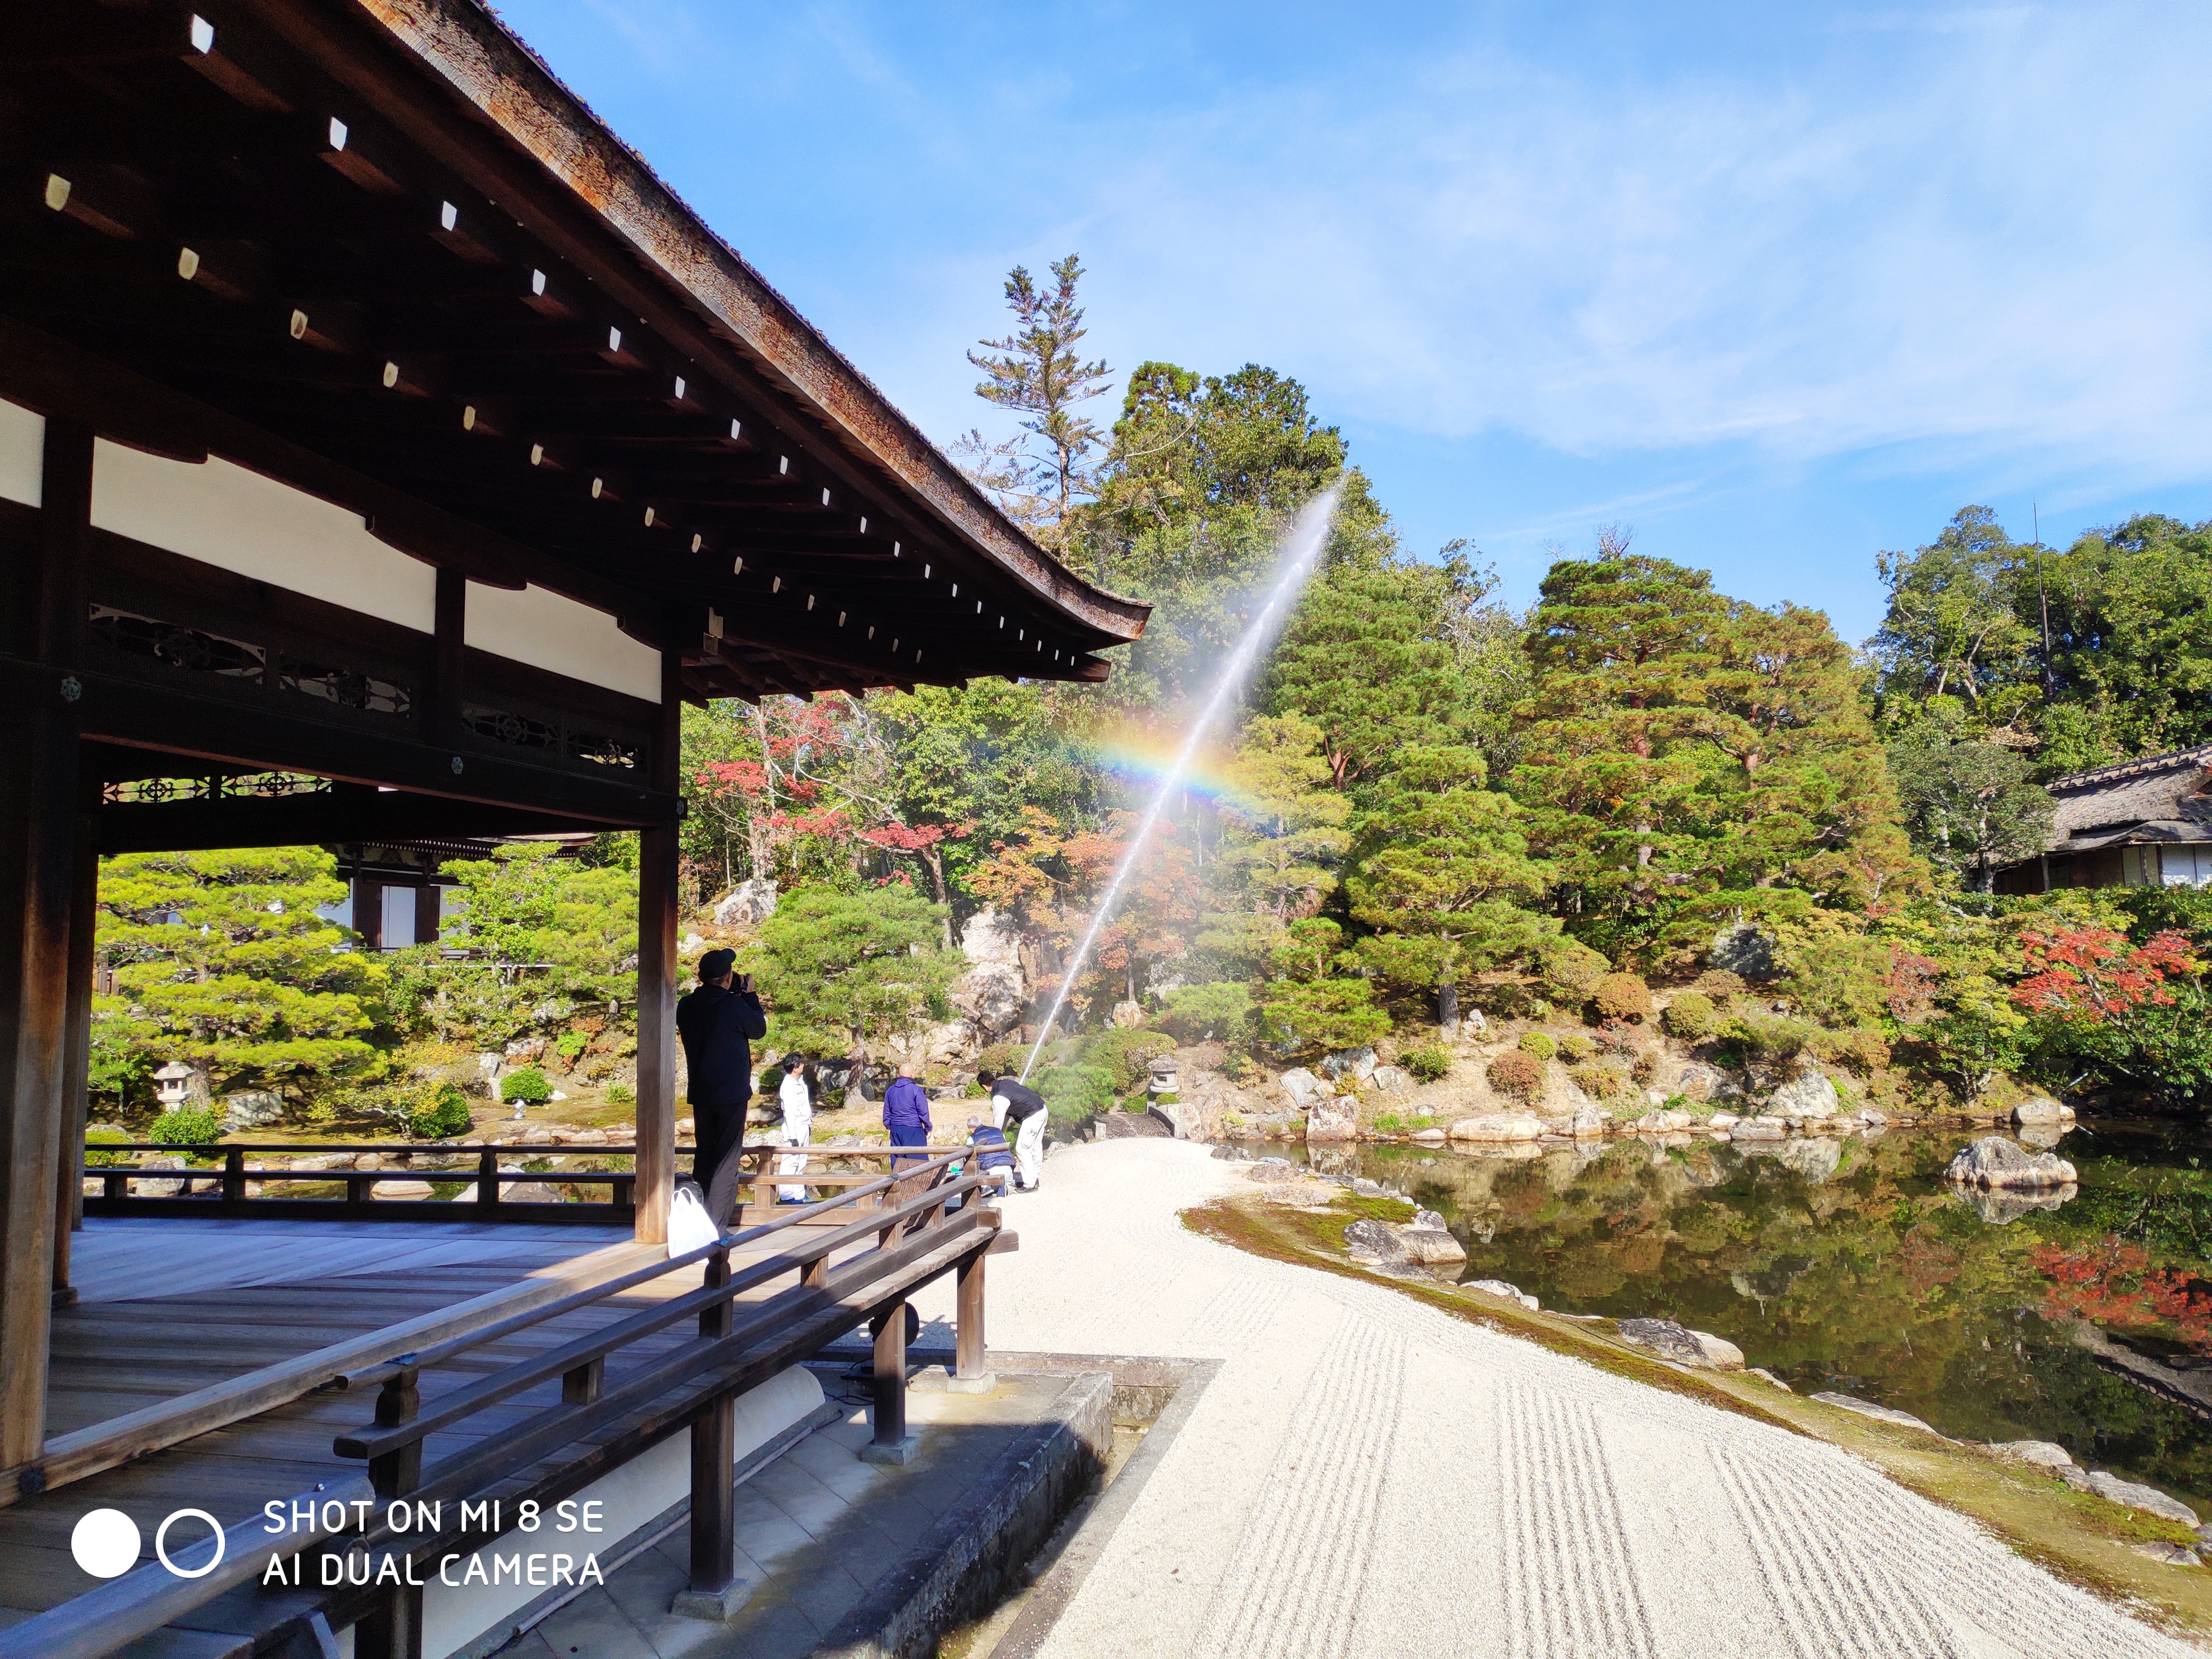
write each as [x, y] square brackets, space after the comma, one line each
[2077, 1536]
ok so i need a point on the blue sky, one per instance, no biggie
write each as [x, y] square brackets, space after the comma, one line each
[1778, 286]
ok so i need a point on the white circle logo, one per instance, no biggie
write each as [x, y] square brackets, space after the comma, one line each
[161, 1536]
[106, 1543]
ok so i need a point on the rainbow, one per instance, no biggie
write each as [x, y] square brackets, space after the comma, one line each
[1138, 756]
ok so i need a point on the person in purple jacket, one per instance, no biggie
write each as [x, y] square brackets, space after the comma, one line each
[906, 1111]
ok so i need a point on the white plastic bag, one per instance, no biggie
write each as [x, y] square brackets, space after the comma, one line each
[689, 1227]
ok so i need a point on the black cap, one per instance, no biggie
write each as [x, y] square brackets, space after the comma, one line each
[715, 964]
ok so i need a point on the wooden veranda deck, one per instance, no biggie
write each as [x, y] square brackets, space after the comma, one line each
[168, 1307]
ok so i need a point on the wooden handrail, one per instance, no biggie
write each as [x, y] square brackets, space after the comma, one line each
[452, 1407]
[377, 1374]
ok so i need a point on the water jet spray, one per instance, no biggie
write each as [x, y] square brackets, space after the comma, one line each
[1301, 552]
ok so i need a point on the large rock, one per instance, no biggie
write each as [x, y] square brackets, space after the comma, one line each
[1355, 1063]
[1510, 1293]
[1300, 1195]
[1271, 1170]
[746, 905]
[254, 1110]
[1128, 1016]
[1742, 949]
[2044, 1454]
[2000, 1206]
[1304, 1088]
[1589, 1124]
[1333, 1120]
[1497, 1125]
[1809, 1094]
[1377, 1238]
[1994, 1161]
[1705, 1083]
[1666, 1123]
[1390, 1081]
[1701, 1350]
[1757, 1128]
[2131, 1495]
[2042, 1109]
[1430, 1246]
[1868, 1409]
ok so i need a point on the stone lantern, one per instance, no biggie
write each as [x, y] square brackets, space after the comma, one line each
[172, 1086]
[1166, 1075]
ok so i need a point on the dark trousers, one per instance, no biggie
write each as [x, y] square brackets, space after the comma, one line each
[719, 1132]
[909, 1134]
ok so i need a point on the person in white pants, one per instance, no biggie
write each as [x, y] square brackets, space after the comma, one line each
[798, 1103]
[1013, 1098]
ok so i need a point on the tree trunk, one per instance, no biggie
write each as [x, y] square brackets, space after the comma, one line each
[1447, 1009]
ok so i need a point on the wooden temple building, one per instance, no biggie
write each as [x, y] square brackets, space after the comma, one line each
[387, 453]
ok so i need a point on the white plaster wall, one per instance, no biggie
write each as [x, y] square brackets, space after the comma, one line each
[22, 453]
[553, 632]
[230, 516]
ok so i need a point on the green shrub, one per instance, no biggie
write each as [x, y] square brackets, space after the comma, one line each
[1622, 996]
[1692, 1015]
[1575, 1048]
[527, 1085]
[1599, 1080]
[1236, 1066]
[436, 1111]
[104, 1137]
[194, 1126]
[1719, 984]
[1002, 1058]
[569, 1044]
[1573, 969]
[1842, 981]
[1222, 1010]
[1771, 1037]
[1516, 1074]
[1125, 1054]
[621, 1094]
[1072, 1093]
[1538, 1045]
[1644, 1068]
[1863, 1052]
[1389, 1123]
[1427, 1062]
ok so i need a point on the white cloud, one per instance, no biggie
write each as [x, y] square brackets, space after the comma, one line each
[1956, 243]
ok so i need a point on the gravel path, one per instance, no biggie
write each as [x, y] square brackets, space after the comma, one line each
[1369, 1477]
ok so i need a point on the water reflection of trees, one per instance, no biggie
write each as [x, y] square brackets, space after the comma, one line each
[1852, 1263]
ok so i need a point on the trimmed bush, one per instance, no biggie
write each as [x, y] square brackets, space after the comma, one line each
[103, 1137]
[1623, 996]
[1125, 1054]
[1771, 1037]
[1222, 1011]
[436, 1111]
[1516, 1074]
[527, 1085]
[1538, 1045]
[1718, 983]
[1575, 1048]
[1692, 1015]
[1572, 968]
[1644, 1068]
[1072, 1093]
[1428, 1063]
[1599, 1080]
[193, 1127]
[621, 1094]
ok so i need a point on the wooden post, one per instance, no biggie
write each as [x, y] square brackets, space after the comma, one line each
[38, 848]
[657, 860]
[970, 1375]
[394, 1630]
[76, 1056]
[889, 1443]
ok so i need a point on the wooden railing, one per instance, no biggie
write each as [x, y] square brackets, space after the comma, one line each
[221, 1189]
[924, 1223]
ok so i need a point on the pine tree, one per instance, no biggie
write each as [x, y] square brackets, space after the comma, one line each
[1037, 371]
[844, 971]
[223, 962]
[1443, 875]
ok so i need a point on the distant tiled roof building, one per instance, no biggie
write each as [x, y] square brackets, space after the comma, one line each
[2143, 823]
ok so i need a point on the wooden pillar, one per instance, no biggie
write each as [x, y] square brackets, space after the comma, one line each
[658, 857]
[441, 709]
[889, 1443]
[969, 1358]
[38, 851]
[76, 1054]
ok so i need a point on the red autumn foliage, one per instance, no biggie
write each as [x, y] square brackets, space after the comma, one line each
[2087, 976]
[2112, 1283]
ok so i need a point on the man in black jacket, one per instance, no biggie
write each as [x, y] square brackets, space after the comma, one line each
[717, 1022]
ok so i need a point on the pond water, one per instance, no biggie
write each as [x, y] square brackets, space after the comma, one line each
[1851, 1265]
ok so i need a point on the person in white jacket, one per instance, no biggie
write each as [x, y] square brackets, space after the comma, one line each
[798, 1102]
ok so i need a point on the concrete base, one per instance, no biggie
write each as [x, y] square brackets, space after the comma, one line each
[982, 1383]
[715, 1606]
[897, 1455]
